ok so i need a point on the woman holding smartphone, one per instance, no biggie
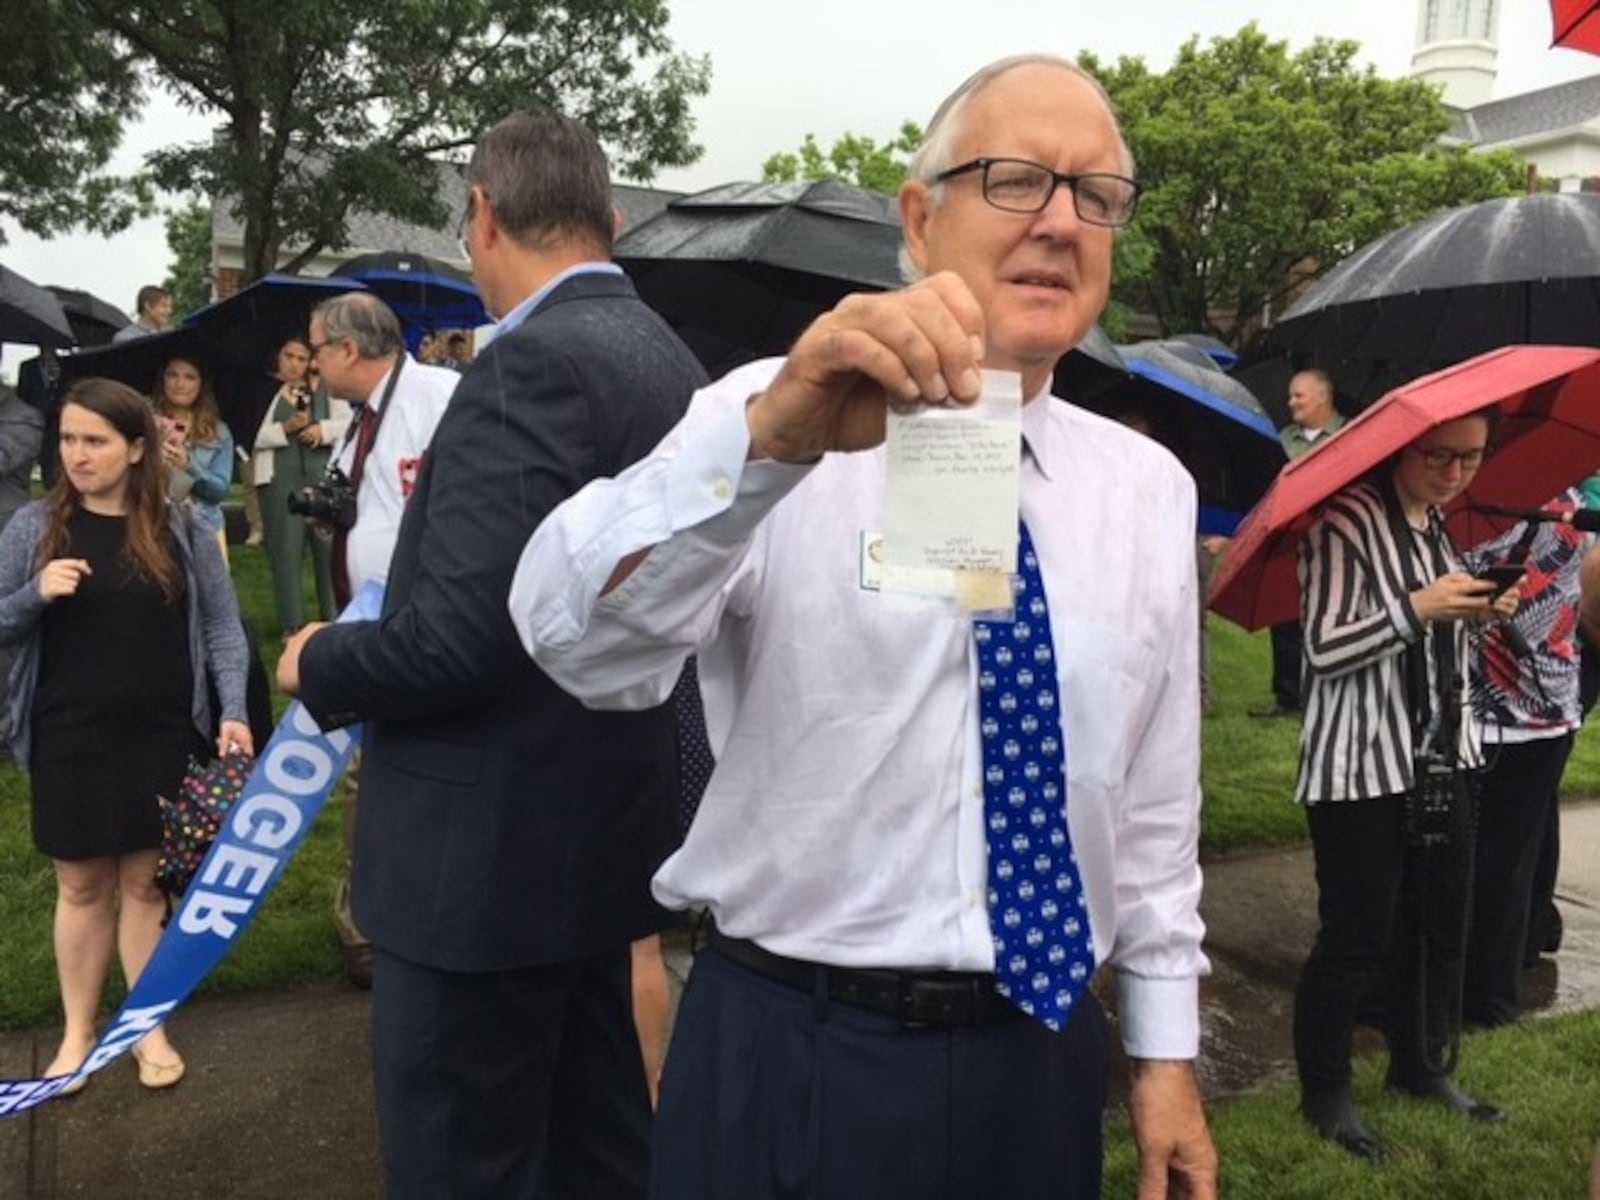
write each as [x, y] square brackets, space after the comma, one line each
[123, 613]
[198, 447]
[301, 426]
[1385, 602]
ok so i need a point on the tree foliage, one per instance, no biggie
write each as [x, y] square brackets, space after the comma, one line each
[66, 88]
[863, 161]
[189, 239]
[1265, 168]
[330, 106]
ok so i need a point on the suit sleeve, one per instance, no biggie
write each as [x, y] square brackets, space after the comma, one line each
[517, 439]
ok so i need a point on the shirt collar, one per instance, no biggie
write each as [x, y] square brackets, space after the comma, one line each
[523, 311]
[1036, 430]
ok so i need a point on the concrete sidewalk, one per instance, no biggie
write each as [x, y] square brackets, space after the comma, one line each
[278, 1099]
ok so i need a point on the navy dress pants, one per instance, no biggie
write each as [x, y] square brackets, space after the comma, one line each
[771, 1094]
[523, 1084]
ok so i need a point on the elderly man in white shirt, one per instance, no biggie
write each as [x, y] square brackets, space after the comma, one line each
[846, 1034]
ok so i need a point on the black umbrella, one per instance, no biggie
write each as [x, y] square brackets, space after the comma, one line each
[94, 321]
[425, 293]
[239, 387]
[1090, 369]
[740, 270]
[248, 327]
[29, 314]
[1525, 269]
[1212, 423]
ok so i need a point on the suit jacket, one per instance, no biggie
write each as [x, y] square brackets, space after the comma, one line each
[502, 824]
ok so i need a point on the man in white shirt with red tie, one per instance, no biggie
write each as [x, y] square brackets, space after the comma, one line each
[848, 1031]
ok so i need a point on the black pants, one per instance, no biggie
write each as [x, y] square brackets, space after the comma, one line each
[517, 1085]
[1287, 665]
[771, 1093]
[1392, 921]
[1518, 802]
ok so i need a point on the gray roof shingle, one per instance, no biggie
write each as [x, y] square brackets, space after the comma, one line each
[1546, 110]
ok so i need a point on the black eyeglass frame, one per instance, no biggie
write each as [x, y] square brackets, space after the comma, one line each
[1057, 178]
[1441, 458]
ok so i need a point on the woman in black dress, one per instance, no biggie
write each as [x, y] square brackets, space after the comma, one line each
[123, 610]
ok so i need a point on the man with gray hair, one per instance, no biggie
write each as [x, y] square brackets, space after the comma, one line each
[925, 829]
[356, 345]
[507, 833]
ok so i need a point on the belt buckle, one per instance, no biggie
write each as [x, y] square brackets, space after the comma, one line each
[951, 1002]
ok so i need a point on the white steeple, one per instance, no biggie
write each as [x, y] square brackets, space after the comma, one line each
[1456, 48]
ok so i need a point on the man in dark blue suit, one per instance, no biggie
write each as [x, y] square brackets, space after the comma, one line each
[507, 834]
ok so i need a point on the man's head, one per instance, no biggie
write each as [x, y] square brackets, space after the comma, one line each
[1042, 277]
[155, 306]
[460, 351]
[355, 339]
[538, 201]
[1311, 398]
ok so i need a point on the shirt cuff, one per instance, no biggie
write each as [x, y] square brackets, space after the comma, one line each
[714, 489]
[1160, 1018]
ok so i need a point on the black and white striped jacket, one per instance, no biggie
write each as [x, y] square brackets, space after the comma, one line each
[1356, 741]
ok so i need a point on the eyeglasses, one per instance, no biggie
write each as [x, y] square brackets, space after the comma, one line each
[1017, 185]
[463, 225]
[1439, 458]
[318, 347]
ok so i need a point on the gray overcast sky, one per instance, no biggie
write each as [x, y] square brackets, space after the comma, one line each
[783, 69]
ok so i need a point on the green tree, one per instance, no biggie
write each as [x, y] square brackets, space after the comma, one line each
[878, 167]
[883, 167]
[1268, 167]
[66, 89]
[329, 106]
[189, 239]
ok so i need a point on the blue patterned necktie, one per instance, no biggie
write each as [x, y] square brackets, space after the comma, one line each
[1042, 953]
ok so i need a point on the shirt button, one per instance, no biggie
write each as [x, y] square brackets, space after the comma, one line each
[972, 899]
[722, 489]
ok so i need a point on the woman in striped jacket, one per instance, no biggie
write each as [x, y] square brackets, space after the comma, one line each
[1385, 603]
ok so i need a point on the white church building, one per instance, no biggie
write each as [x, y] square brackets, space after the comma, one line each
[1556, 129]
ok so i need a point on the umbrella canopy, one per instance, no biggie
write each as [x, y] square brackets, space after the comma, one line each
[1548, 438]
[425, 293]
[241, 390]
[94, 321]
[29, 314]
[741, 269]
[1576, 24]
[1091, 369]
[1212, 423]
[1220, 353]
[247, 328]
[1520, 270]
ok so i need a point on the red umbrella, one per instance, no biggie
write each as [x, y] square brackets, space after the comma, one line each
[1577, 24]
[1548, 438]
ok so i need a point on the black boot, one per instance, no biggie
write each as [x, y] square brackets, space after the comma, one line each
[1333, 1115]
[1444, 1090]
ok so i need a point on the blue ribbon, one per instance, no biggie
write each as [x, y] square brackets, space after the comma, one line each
[291, 781]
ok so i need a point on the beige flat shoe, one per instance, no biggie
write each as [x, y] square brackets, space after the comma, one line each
[73, 1088]
[156, 1076]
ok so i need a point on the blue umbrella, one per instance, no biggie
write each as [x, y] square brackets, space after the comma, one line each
[426, 293]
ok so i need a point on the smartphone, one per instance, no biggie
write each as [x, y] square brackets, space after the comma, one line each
[1502, 575]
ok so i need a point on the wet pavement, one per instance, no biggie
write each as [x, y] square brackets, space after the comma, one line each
[278, 1099]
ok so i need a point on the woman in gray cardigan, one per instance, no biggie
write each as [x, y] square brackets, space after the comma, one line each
[122, 611]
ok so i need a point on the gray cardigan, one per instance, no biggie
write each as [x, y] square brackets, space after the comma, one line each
[217, 647]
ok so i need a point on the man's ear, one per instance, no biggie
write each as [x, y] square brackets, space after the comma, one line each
[916, 211]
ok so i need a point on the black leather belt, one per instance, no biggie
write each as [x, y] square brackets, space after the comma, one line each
[915, 999]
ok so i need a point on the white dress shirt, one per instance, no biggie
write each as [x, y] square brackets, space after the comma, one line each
[390, 472]
[844, 821]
